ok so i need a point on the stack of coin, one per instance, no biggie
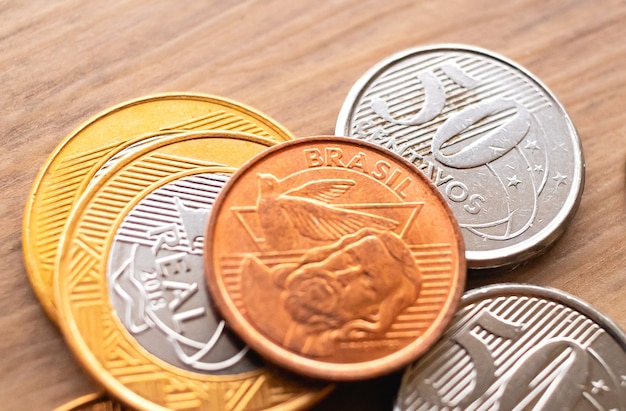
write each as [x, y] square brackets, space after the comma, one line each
[329, 258]
[113, 238]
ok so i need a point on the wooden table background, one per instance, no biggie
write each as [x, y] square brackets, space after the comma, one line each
[62, 62]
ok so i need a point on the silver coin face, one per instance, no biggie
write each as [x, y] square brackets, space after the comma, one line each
[521, 347]
[156, 279]
[495, 141]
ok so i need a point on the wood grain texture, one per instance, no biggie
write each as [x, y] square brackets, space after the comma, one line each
[63, 62]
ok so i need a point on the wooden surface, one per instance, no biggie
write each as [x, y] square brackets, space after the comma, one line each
[63, 62]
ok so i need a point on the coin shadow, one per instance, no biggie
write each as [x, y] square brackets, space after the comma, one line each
[367, 395]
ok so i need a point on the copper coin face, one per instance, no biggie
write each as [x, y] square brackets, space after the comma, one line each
[334, 258]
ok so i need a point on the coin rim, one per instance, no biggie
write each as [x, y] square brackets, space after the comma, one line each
[552, 293]
[293, 361]
[43, 293]
[541, 241]
[74, 337]
[87, 399]
[549, 293]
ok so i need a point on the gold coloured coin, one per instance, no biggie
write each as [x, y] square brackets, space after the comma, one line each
[334, 258]
[130, 285]
[93, 402]
[69, 167]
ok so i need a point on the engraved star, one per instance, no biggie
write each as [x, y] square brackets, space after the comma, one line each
[513, 181]
[599, 386]
[559, 178]
[560, 146]
[531, 145]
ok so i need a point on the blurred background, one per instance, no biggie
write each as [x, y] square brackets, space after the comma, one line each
[63, 62]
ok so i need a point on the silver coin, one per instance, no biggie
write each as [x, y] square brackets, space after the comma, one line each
[496, 142]
[521, 347]
[156, 279]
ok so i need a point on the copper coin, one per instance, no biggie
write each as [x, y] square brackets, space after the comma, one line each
[334, 258]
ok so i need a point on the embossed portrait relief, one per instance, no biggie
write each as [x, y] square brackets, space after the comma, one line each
[331, 256]
[350, 290]
[355, 272]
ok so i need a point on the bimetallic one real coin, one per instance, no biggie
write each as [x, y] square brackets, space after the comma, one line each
[93, 402]
[334, 258]
[521, 347]
[130, 287]
[72, 164]
[492, 137]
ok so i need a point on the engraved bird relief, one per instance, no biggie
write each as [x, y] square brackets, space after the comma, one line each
[287, 217]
